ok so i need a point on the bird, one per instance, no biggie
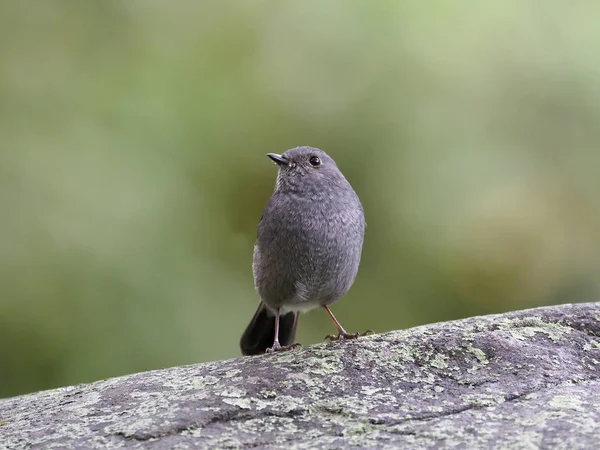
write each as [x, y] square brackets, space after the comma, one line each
[308, 249]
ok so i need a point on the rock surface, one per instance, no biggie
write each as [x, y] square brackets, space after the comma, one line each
[528, 379]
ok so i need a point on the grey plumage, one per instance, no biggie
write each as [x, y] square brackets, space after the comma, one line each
[309, 243]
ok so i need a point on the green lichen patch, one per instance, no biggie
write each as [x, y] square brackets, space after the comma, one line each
[243, 403]
[479, 354]
[563, 402]
[527, 327]
[439, 361]
[202, 382]
[233, 392]
[485, 400]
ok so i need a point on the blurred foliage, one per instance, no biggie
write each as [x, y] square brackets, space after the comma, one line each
[133, 172]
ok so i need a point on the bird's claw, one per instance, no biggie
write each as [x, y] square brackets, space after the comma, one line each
[282, 348]
[343, 336]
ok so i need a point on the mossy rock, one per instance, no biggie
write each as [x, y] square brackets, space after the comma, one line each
[528, 379]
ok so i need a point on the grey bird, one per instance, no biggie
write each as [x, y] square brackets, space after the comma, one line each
[308, 250]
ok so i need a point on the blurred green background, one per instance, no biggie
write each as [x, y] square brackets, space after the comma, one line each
[133, 172]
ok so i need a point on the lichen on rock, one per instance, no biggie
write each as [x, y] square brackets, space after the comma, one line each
[528, 379]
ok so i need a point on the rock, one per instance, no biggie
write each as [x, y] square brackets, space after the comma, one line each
[527, 379]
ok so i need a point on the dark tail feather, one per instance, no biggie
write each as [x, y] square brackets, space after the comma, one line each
[260, 333]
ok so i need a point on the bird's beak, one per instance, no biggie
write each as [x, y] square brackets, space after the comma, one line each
[279, 160]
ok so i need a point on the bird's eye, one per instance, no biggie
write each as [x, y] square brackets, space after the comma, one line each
[315, 161]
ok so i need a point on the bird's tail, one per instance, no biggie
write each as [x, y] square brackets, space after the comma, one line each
[260, 333]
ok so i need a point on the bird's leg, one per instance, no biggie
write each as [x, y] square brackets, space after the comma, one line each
[342, 334]
[277, 347]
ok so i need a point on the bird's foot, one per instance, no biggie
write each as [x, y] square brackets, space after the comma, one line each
[277, 347]
[343, 335]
